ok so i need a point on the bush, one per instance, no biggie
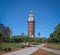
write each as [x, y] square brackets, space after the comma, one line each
[9, 49]
[34, 43]
[5, 49]
[22, 46]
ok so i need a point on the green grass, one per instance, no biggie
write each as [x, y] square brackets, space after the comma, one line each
[54, 46]
[50, 53]
[34, 43]
[11, 45]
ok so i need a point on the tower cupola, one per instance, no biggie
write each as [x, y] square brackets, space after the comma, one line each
[31, 16]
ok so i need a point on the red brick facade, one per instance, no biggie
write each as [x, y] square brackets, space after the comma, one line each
[31, 28]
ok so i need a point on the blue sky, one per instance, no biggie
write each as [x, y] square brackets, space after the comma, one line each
[14, 13]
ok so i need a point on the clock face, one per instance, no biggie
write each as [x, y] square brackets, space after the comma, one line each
[30, 18]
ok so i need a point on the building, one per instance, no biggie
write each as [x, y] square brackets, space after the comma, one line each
[6, 30]
[31, 25]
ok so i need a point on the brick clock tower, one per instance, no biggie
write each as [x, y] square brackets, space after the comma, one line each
[31, 24]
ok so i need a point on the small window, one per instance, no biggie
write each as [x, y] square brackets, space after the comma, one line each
[30, 25]
[30, 29]
[30, 33]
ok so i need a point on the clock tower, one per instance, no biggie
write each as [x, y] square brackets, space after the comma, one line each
[31, 25]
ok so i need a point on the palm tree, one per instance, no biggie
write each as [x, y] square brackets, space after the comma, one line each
[39, 34]
[22, 34]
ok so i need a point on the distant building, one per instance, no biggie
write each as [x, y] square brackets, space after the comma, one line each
[31, 25]
[6, 30]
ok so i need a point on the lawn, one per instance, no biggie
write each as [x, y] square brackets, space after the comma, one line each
[54, 46]
[12, 45]
[50, 53]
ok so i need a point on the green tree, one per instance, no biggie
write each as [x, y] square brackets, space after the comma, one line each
[1, 40]
[39, 34]
[55, 36]
[22, 34]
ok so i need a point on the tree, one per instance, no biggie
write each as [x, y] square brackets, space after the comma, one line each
[22, 34]
[39, 34]
[1, 41]
[55, 36]
[6, 39]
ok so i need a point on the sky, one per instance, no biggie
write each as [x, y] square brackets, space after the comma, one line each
[14, 13]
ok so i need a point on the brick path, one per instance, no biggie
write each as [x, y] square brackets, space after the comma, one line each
[40, 52]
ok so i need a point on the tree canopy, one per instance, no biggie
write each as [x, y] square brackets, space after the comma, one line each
[55, 35]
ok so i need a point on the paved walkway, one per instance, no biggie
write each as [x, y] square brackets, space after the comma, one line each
[30, 50]
[49, 49]
[26, 51]
[52, 50]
